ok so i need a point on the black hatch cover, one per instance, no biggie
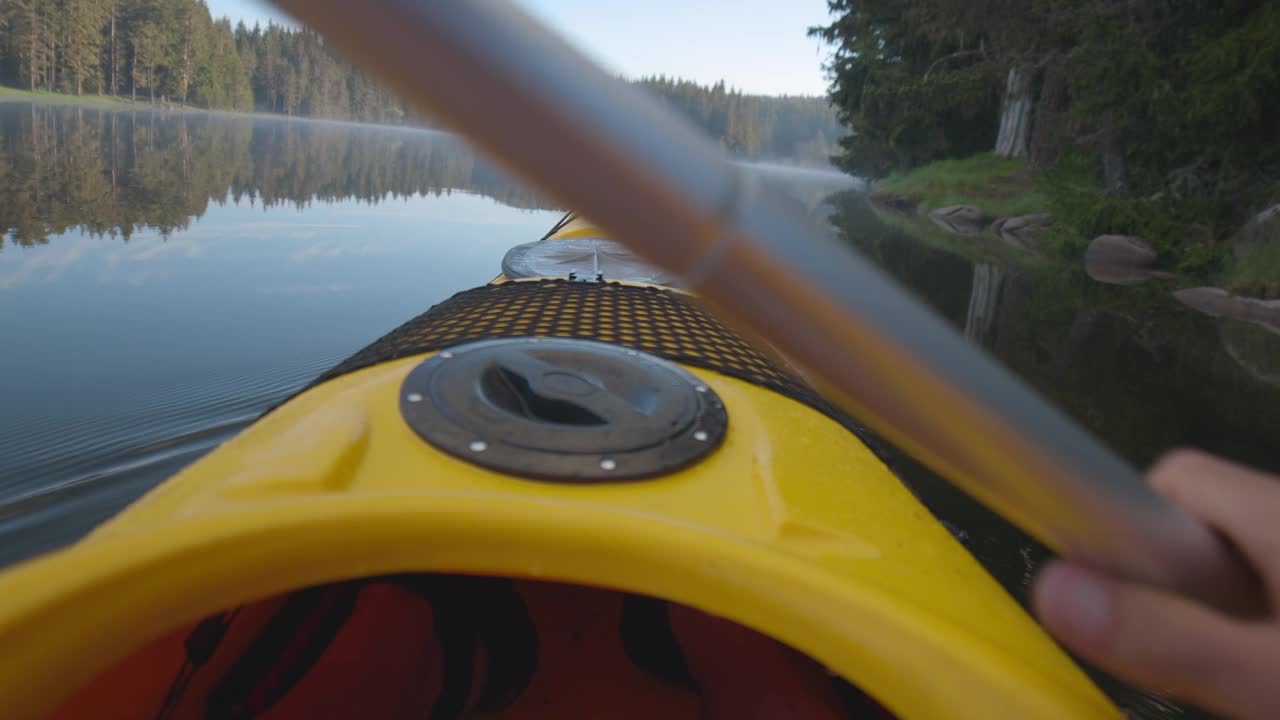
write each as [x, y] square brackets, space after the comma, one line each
[563, 410]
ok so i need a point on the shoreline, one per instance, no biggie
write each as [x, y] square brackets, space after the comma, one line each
[968, 198]
[12, 95]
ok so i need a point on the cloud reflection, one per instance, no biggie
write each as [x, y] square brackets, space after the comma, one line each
[318, 289]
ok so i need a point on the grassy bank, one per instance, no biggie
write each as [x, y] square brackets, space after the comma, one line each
[979, 249]
[1256, 272]
[1254, 265]
[999, 186]
[1072, 193]
[8, 94]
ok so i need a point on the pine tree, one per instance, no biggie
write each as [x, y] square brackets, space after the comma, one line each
[26, 23]
[82, 22]
[113, 67]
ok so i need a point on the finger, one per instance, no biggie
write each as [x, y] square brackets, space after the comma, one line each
[1160, 641]
[1241, 503]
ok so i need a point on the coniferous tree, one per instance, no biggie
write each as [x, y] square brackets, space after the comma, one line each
[1174, 108]
[82, 22]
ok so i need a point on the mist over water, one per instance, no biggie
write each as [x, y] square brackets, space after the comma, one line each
[800, 173]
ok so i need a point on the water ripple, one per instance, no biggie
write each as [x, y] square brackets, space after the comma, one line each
[52, 492]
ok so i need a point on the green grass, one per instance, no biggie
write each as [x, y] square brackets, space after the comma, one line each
[1255, 270]
[9, 94]
[1072, 193]
[998, 186]
[1178, 229]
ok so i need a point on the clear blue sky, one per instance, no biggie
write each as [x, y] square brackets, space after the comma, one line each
[758, 46]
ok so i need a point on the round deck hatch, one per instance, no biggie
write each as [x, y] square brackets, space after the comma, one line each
[563, 410]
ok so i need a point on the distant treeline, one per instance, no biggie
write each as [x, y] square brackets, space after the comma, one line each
[174, 52]
[803, 129]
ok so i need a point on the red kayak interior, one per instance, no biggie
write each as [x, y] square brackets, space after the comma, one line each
[444, 647]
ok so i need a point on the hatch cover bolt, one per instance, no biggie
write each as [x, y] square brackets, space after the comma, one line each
[478, 446]
[608, 464]
[414, 397]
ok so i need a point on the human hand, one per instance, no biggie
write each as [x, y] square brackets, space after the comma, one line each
[1168, 643]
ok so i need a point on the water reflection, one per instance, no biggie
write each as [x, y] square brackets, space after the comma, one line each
[1142, 369]
[1134, 364]
[112, 172]
[164, 288]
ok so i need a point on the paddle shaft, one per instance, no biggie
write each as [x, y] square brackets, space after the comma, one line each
[497, 77]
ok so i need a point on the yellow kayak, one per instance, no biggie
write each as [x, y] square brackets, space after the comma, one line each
[517, 505]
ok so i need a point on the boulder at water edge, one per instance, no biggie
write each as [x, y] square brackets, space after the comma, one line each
[960, 219]
[1217, 302]
[1020, 230]
[1121, 260]
[1120, 250]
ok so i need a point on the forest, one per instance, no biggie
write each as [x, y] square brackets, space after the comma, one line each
[1137, 116]
[174, 53]
[797, 128]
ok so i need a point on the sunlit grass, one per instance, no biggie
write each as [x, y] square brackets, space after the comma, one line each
[8, 94]
[998, 186]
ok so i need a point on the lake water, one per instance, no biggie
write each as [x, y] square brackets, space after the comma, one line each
[165, 278]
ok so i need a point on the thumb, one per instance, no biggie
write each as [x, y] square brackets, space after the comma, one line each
[1160, 641]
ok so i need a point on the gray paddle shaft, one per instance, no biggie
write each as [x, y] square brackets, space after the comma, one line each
[520, 94]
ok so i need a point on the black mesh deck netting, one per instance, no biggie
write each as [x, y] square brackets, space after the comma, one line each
[649, 319]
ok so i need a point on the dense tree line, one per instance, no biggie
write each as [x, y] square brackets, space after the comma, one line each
[112, 173]
[1163, 101]
[798, 128]
[173, 51]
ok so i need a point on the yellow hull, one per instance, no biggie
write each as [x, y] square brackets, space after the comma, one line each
[793, 527]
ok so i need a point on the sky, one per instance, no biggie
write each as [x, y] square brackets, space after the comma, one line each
[757, 46]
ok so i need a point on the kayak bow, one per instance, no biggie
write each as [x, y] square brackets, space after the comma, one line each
[595, 432]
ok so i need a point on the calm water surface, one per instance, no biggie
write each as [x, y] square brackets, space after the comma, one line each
[168, 278]
[164, 279]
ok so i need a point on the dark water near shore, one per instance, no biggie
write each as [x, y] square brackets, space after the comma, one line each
[1141, 370]
[165, 278]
